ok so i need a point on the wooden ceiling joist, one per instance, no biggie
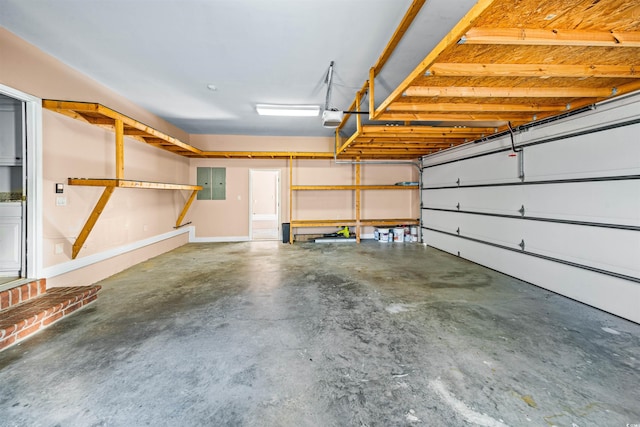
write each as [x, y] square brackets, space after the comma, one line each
[461, 117]
[533, 70]
[510, 92]
[423, 130]
[406, 22]
[550, 37]
[468, 107]
[418, 142]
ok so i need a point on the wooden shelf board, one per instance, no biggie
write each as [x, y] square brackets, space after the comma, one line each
[300, 223]
[322, 222]
[390, 222]
[352, 187]
[280, 155]
[127, 183]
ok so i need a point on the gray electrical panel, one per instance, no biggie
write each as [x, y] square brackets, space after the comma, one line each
[213, 182]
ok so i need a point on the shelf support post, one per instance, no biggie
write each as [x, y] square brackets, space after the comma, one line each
[358, 116]
[358, 199]
[93, 218]
[290, 200]
[119, 128]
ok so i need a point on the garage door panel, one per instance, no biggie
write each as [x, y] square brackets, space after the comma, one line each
[609, 202]
[617, 296]
[610, 153]
[602, 248]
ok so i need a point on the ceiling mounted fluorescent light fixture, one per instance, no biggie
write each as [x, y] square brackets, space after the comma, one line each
[288, 110]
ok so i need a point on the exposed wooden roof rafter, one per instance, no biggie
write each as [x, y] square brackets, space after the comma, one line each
[550, 37]
[469, 107]
[510, 92]
[533, 70]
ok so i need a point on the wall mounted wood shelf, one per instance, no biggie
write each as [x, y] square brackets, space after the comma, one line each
[122, 125]
[99, 115]
[356, 222]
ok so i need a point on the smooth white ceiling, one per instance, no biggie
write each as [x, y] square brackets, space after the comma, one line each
[162, 54]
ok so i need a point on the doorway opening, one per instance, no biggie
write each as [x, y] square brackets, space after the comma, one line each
[264, 214]
[20, 191]
[12, 189]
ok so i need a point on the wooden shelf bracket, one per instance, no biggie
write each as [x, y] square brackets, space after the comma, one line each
[91, 221]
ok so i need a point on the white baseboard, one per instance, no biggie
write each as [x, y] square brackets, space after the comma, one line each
[66, 267]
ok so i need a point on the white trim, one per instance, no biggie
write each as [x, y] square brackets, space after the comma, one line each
[76, 264]
[193, 239]
[265, 217]
[33, 166]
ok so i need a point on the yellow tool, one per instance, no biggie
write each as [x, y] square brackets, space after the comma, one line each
[344, 231]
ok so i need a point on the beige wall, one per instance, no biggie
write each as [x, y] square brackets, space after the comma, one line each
[262, 143]
[230, 217]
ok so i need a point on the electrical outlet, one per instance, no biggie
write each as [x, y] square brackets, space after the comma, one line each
[61, 201]
[59, 248]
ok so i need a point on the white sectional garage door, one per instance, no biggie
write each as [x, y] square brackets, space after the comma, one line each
[561, 212]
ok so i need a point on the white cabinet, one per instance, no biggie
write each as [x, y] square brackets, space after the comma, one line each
[11, 131]
[10, 238]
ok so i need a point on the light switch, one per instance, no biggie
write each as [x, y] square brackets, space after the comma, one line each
[59, 188]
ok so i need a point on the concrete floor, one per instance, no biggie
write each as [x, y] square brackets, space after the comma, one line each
[266, 334]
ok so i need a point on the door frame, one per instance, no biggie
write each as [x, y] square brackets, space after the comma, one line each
[278, 199]
[32, 220]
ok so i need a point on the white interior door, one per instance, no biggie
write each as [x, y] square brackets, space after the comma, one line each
[265, 204]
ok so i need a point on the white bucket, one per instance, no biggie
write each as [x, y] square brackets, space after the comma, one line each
[414, 234]
[398, 235]
[383, 234]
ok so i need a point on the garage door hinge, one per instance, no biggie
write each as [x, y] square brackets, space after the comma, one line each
[522, 244]
[521, 210]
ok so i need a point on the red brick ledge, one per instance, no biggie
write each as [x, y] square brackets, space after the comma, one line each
[20, 321]
[22, 293]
